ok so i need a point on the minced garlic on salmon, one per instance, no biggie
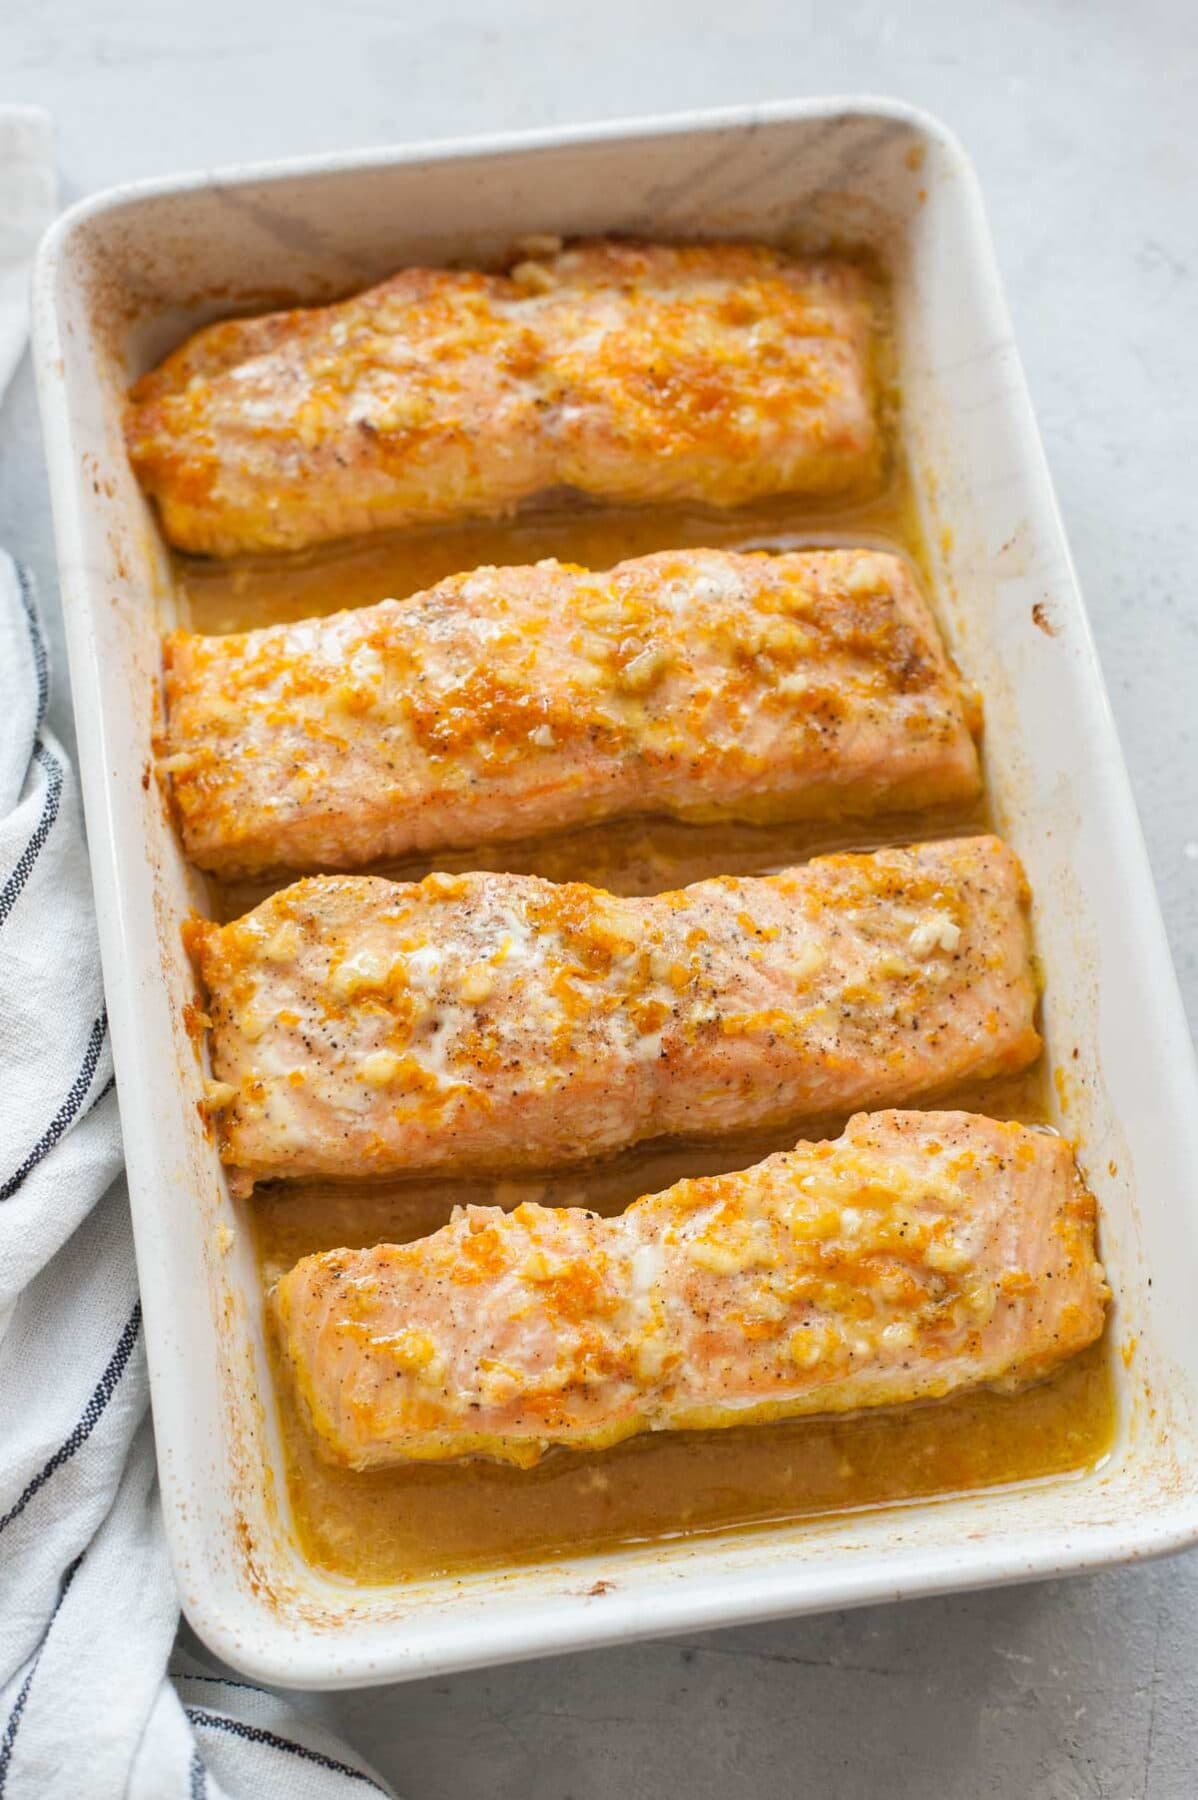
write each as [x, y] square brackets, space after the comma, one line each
[364, 1027]
[507, 702]
[917, 1255]
[628, 372]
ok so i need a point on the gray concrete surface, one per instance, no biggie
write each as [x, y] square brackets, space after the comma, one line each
[1081, 119]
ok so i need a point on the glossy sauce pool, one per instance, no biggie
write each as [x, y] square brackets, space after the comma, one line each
[390, 1525]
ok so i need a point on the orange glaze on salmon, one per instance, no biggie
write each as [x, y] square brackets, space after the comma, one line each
[363, 1027]
[917, 1255]
[628, 372]
[508, 702]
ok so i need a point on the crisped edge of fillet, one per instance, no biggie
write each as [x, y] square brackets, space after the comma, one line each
[197, 935]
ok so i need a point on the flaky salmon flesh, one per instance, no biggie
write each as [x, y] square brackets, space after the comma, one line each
[362, 1027]
[508, 702]
[626, 372]
[915, 1256]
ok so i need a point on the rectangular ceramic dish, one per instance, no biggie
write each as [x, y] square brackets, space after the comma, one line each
[120, 280]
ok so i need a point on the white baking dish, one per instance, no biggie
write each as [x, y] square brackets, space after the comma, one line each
[120, 280]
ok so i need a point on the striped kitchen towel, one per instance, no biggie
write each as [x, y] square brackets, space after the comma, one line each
[88, 1608]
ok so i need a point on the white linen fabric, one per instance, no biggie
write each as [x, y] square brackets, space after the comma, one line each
[88, 1608]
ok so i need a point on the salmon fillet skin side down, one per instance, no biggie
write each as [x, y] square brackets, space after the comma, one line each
[917, 1255]
[634, 373]
[509, 702]
[362, 1027]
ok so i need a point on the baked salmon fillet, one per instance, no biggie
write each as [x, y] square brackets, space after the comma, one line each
[363, 1027]
[915, 1256]
[508, 702]
[627, 372]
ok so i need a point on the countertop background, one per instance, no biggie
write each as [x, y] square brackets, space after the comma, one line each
[1080, 116]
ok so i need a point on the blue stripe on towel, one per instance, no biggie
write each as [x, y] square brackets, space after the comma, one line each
[92, 1413]
[197, 1778]
[67, 1111]
[255, 1734]
[11, 890]
[41, 662]
[18, 1709]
